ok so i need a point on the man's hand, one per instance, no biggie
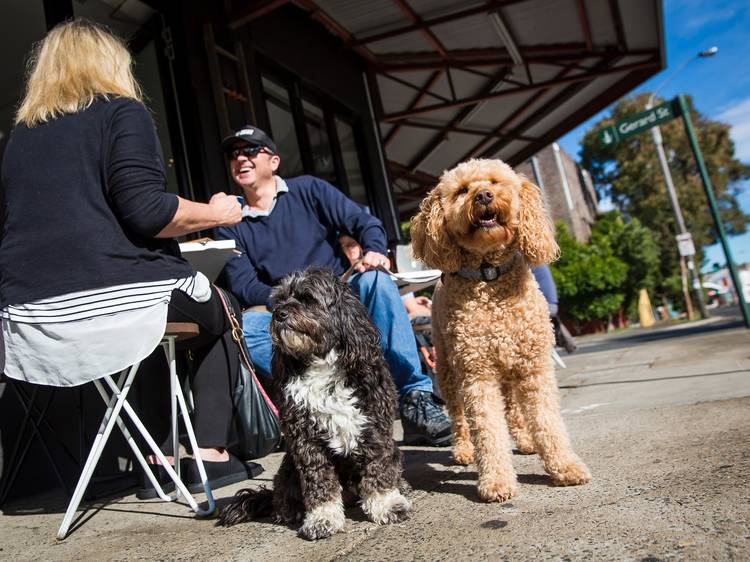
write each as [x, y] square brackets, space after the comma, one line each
[373, 260]
[423, 301]
[226, 208]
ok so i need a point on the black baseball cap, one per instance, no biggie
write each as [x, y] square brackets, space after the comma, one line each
[252, 135]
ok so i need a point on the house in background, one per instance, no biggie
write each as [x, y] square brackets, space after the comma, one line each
[568, 188]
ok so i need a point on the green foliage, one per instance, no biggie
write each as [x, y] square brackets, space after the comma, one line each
[628, 172]
[634, 244]
[589, 277]
[406, 231]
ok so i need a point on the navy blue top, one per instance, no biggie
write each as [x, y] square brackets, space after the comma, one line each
[301, 230]
[546, 282]
[84, 196]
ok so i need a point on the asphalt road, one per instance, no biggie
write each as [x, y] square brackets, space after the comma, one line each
[661, 416]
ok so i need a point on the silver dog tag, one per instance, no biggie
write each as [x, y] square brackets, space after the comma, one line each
[488, 272]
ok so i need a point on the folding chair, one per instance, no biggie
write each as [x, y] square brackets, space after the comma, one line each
[116, 402]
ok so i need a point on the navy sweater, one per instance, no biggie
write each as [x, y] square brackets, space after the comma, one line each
[302, 230]
[84, 196]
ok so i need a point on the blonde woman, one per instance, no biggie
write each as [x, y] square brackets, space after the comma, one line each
[90, 272]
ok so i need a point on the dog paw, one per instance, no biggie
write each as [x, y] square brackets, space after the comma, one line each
[496, 490]
[387, 507]
[323, 521]
[463, 453]
[289, 517]
[525, 447]
[573, 473]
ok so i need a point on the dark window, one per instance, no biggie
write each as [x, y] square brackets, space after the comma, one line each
[350, 161]
[314, 134]
[282, 127]
[320, 145]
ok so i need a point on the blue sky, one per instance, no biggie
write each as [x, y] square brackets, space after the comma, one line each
[719, 85]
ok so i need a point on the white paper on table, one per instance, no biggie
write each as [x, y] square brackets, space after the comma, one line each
[412, 281]
[209, 256]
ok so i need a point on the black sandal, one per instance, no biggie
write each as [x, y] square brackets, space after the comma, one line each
[221, 473]
[147, 490]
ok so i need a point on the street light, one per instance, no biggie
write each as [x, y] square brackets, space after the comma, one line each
[705, 54]
[683, 232]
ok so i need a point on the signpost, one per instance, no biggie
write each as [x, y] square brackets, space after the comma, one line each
[636, 124]
[640, 122]
[685, 244]
[708, 188]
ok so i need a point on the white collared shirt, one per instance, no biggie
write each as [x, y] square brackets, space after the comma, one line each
[281, 187]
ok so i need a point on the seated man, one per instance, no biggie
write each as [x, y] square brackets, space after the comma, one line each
[416, 307]
[288, 225]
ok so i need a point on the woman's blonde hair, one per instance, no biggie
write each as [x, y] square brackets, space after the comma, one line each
[76, 61]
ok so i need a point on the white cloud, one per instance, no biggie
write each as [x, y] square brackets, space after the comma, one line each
[705, 18]
[692, 17]
[737, 115]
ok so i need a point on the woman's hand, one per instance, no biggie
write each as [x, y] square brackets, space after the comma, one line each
[227, 209]
[221, 210]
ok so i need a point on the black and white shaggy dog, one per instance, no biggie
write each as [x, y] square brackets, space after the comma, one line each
[336, 412]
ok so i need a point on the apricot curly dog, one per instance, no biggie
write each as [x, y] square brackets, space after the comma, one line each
[484, 226]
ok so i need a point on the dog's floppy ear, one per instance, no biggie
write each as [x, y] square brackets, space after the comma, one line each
[536, 233]
[430, 240]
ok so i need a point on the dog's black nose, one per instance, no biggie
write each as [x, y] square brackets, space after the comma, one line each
[484, 197]
[281, 314]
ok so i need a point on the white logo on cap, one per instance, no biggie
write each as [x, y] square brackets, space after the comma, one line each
[248, 132]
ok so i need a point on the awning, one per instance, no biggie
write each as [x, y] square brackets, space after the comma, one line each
[493, 78]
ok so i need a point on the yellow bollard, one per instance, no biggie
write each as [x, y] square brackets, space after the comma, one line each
[645, 313]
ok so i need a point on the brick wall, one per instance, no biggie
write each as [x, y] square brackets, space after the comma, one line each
[576, 205]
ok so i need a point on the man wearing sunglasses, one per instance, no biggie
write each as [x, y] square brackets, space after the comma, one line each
[290, 224]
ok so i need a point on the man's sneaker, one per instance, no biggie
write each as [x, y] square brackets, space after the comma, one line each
[424, 421]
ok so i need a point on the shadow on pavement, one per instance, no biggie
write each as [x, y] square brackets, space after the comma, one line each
[631, 381]
[421, 474]
[627, 339]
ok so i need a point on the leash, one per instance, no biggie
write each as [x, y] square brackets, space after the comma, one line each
[348, 273]
[238, 337]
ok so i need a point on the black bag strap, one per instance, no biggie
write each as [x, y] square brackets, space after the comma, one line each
[239, 339]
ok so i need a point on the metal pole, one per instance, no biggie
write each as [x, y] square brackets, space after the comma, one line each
[692, 272]
[381, 158]
[685, 110]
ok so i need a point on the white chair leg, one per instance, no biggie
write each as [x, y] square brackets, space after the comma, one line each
[179, 484]
[178, 394]
[209, 511]
[111, 415]
[136, 450]
[115, 404]
[557, 359]
[168, 467]
[174, 383]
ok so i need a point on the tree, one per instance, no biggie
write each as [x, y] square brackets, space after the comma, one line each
[628, 173]
[589, 277]
[634, 244]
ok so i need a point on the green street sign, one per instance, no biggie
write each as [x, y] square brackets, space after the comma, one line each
[608, 135]
[638, 123]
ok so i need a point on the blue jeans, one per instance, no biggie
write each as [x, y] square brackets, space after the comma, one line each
[380, 296]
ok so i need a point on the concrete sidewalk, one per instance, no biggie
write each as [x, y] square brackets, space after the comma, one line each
[663, 421]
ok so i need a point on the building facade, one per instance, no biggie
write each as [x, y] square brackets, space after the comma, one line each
[567, 187]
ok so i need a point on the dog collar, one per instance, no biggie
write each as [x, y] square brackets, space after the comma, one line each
[487, 272]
